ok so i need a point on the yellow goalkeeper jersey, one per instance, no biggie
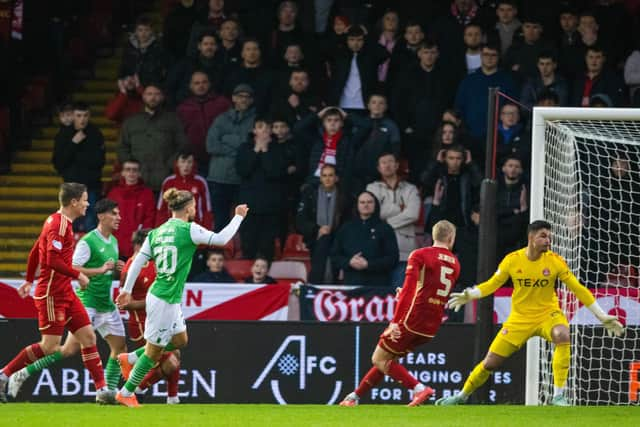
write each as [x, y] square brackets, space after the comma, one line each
[534, 295]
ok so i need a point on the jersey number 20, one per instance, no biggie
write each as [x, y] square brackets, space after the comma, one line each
[444, 271]
[166, 259]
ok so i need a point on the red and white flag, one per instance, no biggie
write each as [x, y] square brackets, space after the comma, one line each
[201, 301]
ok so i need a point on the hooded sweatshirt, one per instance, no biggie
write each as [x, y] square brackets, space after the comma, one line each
[375, 240]
[137, 209]
[194, 183]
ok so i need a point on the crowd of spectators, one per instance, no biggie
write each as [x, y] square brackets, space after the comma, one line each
[356, 125]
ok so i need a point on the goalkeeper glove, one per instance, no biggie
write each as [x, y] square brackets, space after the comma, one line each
[611, 323]
[458, 299]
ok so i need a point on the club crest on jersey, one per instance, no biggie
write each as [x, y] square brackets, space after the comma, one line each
[505, 331]
[546, 272]
[57, 244]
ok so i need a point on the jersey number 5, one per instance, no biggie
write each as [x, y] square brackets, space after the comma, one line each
[444, 280]
[166, 259]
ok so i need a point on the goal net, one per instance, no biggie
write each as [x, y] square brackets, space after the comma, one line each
[586, 183]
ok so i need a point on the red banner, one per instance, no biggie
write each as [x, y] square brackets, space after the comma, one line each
[201, 301]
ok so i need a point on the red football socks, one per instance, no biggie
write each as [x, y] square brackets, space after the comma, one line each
[27, 355]
[152, 377]
[401, 375]
[172, 382]
[370, 380]
[91, 361]
[156, 374]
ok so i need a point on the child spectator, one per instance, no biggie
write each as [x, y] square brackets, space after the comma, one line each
[259, 271]
[215, 273]
[185, 178]
[65, 115]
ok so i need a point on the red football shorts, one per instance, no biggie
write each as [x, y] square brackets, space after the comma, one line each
[406, 343]
[136, 325]
[55, 313]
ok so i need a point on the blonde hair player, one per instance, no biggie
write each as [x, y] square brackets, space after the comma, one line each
[171, 246]
[430, 274]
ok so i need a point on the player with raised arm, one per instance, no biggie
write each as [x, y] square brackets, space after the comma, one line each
[430, 274]
[95, 255]
[57, 304]
[169, 364]
[171, 246]
[535, 311]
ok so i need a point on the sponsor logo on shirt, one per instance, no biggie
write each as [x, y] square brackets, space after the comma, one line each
[530, 283]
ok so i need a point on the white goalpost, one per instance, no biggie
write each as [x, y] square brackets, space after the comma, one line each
[585, 180]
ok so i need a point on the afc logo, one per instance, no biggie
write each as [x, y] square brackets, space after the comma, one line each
[289, 363]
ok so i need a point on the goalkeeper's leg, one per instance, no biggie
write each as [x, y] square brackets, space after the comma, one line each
[560, 363]
[499, 351]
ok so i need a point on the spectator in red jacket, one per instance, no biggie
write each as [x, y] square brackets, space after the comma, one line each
[197, 113]
[127, 102]
[137, 205]
[185, 178]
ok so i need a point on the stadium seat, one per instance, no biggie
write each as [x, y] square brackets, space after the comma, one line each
[277, 249]
[288, 270]
[239, 269]
[229, 250]
[295, 249]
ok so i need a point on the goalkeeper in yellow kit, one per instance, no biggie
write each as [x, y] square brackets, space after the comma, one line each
[535, 311]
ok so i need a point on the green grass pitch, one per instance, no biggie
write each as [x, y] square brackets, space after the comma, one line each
[183, 415]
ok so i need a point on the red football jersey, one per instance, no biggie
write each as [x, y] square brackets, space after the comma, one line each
[431, 274]
[143, 283]
[55, 247]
